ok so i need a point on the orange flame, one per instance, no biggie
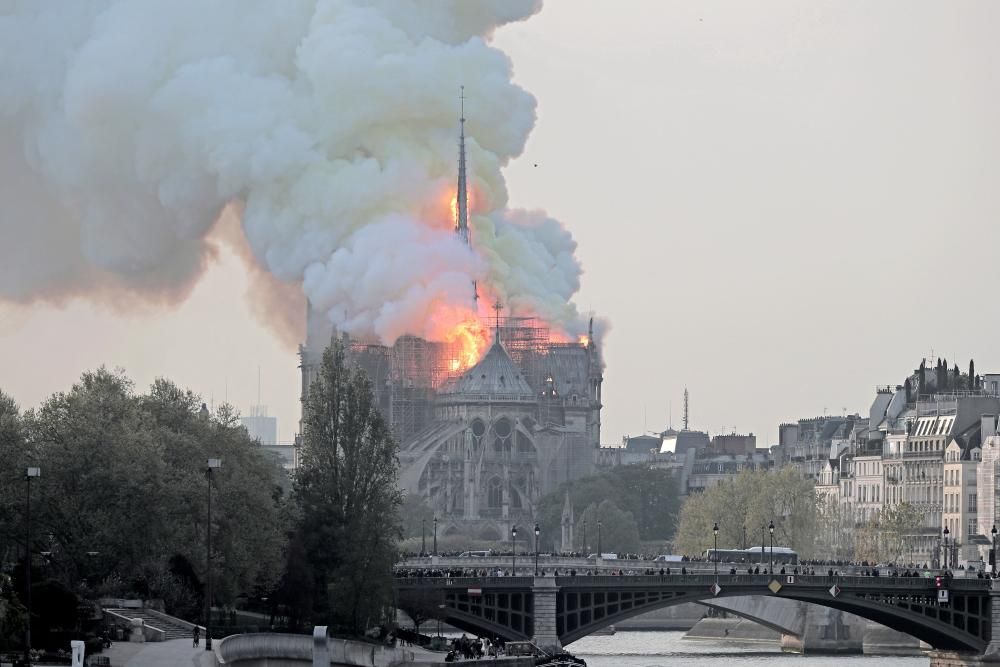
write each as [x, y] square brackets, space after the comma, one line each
[584, 341]
[469, 338]
[453, 203]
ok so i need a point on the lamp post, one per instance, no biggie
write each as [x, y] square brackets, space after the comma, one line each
[212, 465]
[599, 551]
[770, 529]
[435, 536]
[31, 472]
[946, 533]
[761, 559]
[994, 559]
[537, 533]
[586, 544]
[715, 551]
[423, 537]
[513, 550]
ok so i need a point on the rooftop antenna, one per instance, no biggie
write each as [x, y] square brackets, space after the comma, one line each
[461, 196]
[685, 408]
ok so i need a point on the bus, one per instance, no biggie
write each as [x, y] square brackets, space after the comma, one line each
[782, 555]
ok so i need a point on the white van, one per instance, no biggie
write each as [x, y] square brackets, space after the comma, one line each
[669, 558]
[475, 554]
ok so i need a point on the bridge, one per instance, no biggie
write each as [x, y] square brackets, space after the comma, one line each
[554, 611]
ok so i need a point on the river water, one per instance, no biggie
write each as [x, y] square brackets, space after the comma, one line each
[667, 649]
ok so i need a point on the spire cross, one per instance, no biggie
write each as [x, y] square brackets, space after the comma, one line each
[497, 307]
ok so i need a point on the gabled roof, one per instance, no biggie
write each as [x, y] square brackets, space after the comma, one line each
[495, 375]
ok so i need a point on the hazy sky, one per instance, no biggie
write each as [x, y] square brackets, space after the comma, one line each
[779, 205]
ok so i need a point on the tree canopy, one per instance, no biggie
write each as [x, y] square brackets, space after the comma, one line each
[347, 495]
[120, 508]
[744, 505]
[646, 496]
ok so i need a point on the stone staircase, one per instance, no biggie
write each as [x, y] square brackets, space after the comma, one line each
[171, 629]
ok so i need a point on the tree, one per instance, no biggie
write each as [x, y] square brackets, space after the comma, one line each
[973, 383]
[648, 494]
[837, 535]
[898, 522]
[347, 494]
[922, 379]
[619, 532]
[120, 506]
[414, 515]
[746, 504]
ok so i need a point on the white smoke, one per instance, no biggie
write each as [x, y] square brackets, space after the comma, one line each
[127, 127]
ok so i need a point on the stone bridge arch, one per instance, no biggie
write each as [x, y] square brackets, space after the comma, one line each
[560, 610]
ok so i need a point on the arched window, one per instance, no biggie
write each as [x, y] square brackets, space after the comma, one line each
[502, 429]
[495, 492]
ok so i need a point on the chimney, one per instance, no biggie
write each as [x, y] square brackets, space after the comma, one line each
[988, 427]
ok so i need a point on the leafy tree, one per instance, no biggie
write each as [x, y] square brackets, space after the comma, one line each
[414, 515]
[648, 494]
[618, 533]
[121, 502]
[973, 383]
[898, 522]
[347, 495]
[746, 504]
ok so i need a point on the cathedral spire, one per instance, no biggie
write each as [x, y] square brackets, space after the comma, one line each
[462, 195]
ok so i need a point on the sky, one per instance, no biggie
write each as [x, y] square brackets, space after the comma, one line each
[778, 205]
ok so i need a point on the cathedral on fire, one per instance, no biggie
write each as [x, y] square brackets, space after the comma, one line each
[482, 444]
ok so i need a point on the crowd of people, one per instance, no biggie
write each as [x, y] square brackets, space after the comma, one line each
[785, 569]
[469, 648]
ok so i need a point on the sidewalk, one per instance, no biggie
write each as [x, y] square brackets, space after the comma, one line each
[172, 653]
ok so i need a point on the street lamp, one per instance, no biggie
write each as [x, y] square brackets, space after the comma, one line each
[213, 464]
[513, 550]
[994, 531]
[435, 536]
[423, 537]
[599, 551]
[715, 551]
[770, 528]
[537, 533]
[31, 472]
[946, 533]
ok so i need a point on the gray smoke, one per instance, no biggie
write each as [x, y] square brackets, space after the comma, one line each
[126, 128]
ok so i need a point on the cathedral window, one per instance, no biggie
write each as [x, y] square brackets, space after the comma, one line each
[495, 492]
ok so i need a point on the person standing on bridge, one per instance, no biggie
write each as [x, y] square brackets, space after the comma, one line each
[196, 635]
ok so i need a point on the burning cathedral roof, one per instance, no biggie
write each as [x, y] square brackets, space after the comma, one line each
[495, 375]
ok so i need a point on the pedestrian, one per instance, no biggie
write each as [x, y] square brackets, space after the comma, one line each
[197, 634]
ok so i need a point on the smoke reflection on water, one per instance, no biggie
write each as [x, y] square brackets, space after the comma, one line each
[663, 649]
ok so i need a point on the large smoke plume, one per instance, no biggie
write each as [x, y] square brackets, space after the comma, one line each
[127, 128]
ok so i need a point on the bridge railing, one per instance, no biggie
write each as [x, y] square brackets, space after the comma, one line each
[631, 581]
[465, 582]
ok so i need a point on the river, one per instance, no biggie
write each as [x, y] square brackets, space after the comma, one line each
[668, 649]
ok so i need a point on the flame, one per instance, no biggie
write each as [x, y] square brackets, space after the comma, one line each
[469, 339]
[584, 341]
[453, 203]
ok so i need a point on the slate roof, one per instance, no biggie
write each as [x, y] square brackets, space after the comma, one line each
[495, 375]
